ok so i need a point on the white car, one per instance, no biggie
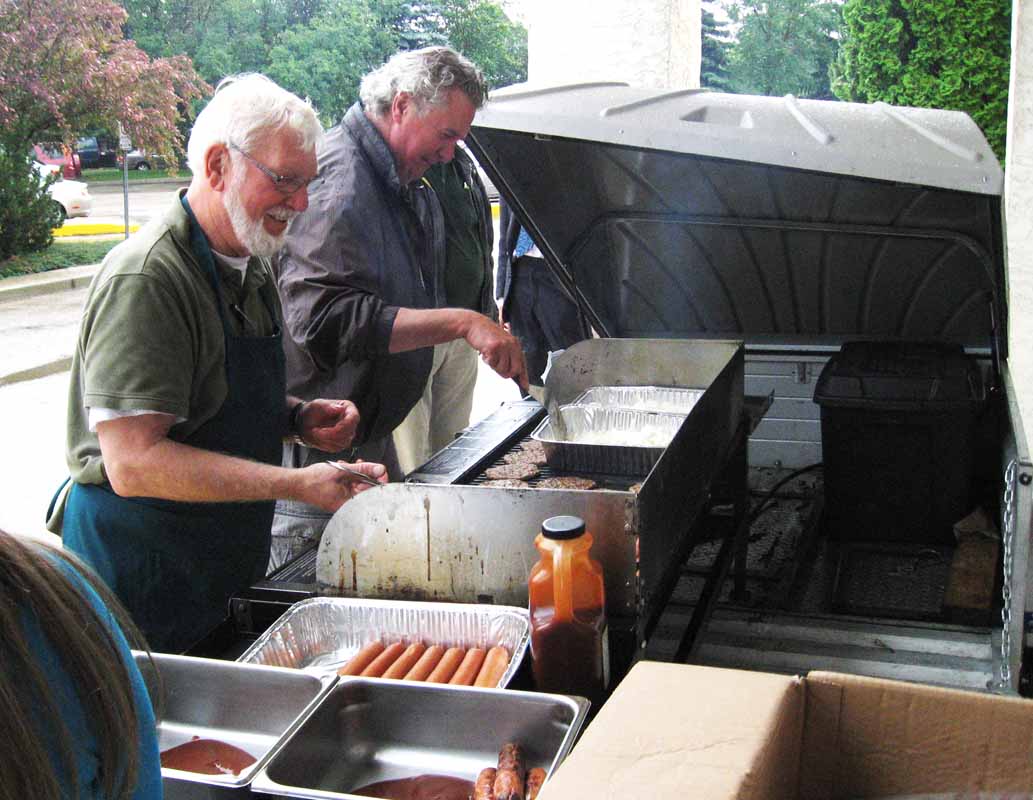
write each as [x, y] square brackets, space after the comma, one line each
[73, 196]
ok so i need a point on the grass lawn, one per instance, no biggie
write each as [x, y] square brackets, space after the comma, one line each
[60, 254]
[113, 174]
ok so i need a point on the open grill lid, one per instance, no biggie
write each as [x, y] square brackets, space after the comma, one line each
[780, 221]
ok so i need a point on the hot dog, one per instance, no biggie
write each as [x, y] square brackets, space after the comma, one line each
[509, 777]
[447, 666]
[362, 659]
[535, 779]
[484, 789]
[422, 668]
[494, 667]
[467, 671]
[406, 661]
[383, 661]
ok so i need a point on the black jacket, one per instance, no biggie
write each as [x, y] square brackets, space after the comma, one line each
[509, 232]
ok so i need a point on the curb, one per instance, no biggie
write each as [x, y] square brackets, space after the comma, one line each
[136, 182]
[92, 229]
[42, 371]
[45, 282]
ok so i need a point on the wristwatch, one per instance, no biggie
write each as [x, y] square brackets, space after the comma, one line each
[294, 421]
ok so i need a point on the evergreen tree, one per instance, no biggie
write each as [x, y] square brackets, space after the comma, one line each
[784, 47]
[951, 54]
[713, 73]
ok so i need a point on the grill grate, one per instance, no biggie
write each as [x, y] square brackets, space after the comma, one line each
[620, 483]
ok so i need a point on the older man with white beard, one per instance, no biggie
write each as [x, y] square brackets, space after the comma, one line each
[178, 404]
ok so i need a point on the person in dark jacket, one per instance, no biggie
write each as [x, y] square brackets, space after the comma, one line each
[538, 310]
[444, 409]
[360, 275]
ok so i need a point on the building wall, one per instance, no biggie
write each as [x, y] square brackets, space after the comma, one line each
[642, 42]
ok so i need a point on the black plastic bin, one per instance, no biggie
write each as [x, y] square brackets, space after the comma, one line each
[897, 421]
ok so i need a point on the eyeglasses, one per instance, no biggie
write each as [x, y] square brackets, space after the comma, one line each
[284, 184]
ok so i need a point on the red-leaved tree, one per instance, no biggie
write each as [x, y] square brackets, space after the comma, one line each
[65, 66]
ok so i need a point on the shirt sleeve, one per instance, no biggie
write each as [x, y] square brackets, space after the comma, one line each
[332, 309]
[97, 415]
[139, 347]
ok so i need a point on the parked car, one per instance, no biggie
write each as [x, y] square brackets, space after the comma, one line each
[59, 154]
[96, 151]
[73, 196]
[142, 160]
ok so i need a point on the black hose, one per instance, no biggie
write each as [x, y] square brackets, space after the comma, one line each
[769, 496]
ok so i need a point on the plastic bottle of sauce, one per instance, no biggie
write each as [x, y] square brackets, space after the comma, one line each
[568, 619]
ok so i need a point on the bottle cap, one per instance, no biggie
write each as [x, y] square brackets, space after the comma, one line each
[563, 527]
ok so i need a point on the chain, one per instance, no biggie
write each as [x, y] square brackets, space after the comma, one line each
[1004, 684]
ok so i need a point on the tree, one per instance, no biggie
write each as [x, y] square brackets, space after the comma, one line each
[952, 54]
[481, 31]
[325, 60]
[783, 47]
[713, 72]
[65, 66]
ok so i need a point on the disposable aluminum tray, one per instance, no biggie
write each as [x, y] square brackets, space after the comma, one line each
[666, 399]
[577, 453]
[322, 633]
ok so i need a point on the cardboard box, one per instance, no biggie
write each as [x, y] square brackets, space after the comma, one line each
[676, 731]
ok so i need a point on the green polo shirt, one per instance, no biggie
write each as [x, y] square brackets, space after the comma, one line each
[151, 338]
[464, 244]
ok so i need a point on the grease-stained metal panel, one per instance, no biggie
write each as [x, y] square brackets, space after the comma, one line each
[467, 543]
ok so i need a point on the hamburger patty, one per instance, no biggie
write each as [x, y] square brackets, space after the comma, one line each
[514, 471]
[524, 457]
[535, 448]
[567, 482]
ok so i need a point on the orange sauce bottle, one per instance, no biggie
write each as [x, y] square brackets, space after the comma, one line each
[567, 606]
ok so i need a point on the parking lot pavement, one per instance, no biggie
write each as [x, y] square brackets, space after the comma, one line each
[33, 465]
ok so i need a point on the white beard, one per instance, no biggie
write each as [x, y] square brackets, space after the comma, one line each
[251, 234]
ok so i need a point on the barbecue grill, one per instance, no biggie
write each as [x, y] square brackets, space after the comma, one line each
[747, 237]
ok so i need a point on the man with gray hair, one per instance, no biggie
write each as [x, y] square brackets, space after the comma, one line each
[178, 404]
[361, 273]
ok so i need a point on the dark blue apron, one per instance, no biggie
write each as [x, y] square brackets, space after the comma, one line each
[175, 565]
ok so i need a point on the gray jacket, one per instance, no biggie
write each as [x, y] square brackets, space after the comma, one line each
[365, 247]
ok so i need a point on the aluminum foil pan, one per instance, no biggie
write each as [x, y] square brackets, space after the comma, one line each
[322, 633]
[615, 441]
[667, 399]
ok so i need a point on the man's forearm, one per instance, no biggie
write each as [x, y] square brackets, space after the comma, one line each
[174, 471]
[418, 327]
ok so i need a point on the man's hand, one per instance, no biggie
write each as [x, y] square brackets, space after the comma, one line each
[328, 425]
[499, 348]
[329, 488]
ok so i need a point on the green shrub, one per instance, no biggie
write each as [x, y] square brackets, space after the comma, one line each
[953, 54]
[27, 213]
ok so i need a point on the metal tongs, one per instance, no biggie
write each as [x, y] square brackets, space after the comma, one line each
[362, 476]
